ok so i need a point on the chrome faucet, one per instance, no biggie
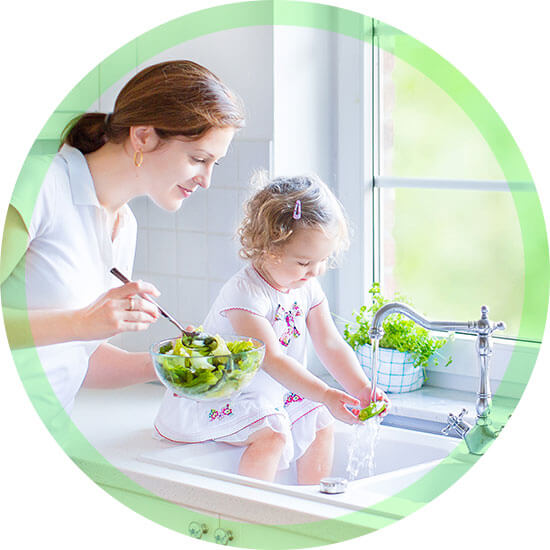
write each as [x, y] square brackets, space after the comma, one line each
[479, 437]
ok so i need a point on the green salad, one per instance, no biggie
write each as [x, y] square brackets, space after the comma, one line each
[203, 366]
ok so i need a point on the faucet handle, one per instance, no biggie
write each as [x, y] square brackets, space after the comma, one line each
[485, 325]
[457, 423]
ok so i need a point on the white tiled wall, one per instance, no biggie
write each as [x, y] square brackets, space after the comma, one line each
[189, 254]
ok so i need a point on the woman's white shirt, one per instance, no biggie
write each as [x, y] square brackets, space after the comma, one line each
[69, 256]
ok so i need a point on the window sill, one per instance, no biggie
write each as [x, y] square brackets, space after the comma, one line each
[511, 365]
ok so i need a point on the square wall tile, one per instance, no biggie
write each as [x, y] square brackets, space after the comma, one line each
[244, 195]
[140, 208]
[163, 251]
[129, 341]
[192, 214]
[142, 340]
[253, 155]
[224, 210]
[226, 173]
[119, 340]
[160, 218]
[223, 257]
[108, 97]
[193, 300]
[214, 288]
[168, 287]
[141, 260]
[191, 256]
[138, 275]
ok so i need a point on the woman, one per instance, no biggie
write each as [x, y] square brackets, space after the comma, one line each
[171, 123]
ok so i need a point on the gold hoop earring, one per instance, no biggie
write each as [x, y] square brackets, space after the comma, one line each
[138, 158]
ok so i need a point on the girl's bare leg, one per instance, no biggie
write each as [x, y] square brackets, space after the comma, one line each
[316, 462]
[262, 454]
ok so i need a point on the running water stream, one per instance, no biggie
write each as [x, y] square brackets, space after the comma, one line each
[374, 367]
[362, 449]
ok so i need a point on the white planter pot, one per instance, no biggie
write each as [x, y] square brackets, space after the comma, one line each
[396, 373]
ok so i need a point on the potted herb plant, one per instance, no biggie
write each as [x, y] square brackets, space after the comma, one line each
[405, 348]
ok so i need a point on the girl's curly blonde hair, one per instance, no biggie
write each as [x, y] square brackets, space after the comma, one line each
[268, 223]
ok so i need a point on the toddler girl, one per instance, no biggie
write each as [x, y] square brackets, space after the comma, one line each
[293, 229]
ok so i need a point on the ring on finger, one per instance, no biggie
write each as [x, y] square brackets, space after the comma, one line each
[132, 304]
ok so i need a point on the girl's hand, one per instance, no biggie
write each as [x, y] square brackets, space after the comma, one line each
[336, 401]
[119, 310]
[365, 398]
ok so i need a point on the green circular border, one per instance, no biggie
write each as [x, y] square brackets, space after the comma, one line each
[491, 127]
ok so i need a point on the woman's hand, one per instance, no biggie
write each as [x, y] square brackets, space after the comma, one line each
[336, 401]
[119, 310]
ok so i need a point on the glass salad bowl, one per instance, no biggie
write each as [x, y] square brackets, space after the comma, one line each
[204, 367]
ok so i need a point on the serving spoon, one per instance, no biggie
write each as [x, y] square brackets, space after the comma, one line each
[163, 312]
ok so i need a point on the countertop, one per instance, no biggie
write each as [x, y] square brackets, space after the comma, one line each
[119, 424]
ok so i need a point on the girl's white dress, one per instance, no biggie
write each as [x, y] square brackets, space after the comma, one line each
[265, 402]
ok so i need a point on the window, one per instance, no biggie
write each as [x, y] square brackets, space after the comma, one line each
[444, 223]
[449, 232]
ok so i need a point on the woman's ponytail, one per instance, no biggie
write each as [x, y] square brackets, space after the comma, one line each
[87, 132]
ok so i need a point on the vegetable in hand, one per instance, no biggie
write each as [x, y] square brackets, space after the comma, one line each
[373, 409]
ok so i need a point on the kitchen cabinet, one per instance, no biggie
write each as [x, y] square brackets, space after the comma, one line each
[299, 535]
[226, 531]
[191, 522]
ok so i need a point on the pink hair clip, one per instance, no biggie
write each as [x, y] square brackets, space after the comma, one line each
[297, 210]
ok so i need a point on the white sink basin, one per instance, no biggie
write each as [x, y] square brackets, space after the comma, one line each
[401, 457]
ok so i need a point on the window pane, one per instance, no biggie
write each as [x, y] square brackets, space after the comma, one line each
[424, 132]
[453, 251]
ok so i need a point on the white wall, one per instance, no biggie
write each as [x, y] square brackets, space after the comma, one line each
[304, 100]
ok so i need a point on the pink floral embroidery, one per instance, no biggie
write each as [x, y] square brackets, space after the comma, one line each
[292, 398]
[214, 414]
[290, 318]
